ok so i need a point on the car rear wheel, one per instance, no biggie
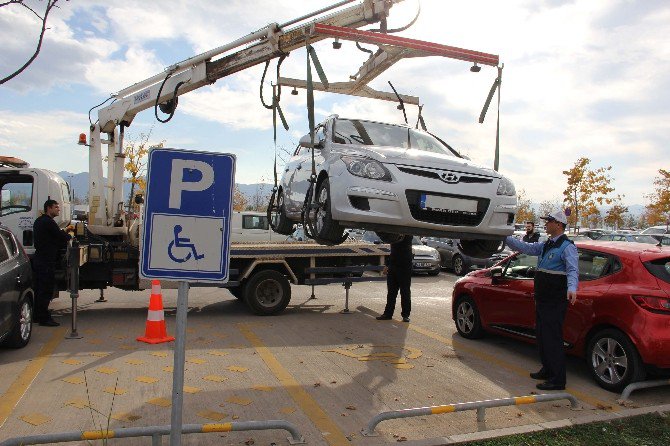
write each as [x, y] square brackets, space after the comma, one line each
[613, 360]
[267, 292]
[283, 224]
[23, 325]
[481, 248]
[458, 265]
[468, 323]
[324, 226]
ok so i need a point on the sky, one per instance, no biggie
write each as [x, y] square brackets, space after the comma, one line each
[583, 78]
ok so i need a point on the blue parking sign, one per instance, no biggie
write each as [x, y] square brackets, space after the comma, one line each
[187, 215]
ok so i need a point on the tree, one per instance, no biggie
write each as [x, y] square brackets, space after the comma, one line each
[585, 189]
[525, 210]
[616, 216]
[549, 206]
[50, 4]
[136, 151]
[239, 200]
[658, 209]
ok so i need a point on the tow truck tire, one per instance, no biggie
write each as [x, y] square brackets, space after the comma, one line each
[467, 319]
[325, 227]
[283, 225]
[267, 292]
[23, 324]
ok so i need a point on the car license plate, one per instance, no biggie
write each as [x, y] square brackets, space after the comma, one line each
[448, 204]
[422, 265]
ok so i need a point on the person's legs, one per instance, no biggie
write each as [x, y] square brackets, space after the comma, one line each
[553, 340]
[392, 287]
[44, 290]
[539, 334]
[405, 283]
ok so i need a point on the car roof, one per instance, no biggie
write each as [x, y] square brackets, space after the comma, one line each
[645, 250]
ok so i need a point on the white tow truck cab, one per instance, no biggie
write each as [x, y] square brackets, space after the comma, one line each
[23, 192]
[252, 226]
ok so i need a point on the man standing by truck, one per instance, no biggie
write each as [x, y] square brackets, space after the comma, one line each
[49, 240]
[398, 273]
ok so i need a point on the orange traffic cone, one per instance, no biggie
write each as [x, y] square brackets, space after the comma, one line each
[155, 333]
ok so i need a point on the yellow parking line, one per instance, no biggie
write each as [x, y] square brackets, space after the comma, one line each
[509, 366]
[18, 388]
[310, 407]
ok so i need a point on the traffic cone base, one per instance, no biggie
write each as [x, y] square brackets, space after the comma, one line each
[156, 332]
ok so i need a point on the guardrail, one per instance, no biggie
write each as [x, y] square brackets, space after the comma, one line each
[642, 385]
[479, 406]
[157, 432]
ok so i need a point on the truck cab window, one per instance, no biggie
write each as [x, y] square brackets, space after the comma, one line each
[255, 222]
[17, 195]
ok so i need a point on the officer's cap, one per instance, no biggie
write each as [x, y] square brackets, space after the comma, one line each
[558, 216]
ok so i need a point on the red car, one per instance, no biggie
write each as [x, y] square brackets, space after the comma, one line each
[620, 323]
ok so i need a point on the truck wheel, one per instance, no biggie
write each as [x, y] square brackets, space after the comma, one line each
[325, 227]
[613, 360]
[23, 324]
[267, 292]
[283, 225]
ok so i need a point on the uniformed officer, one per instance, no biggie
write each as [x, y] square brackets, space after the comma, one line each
[49, 240]
[556, 280]
[398, 272]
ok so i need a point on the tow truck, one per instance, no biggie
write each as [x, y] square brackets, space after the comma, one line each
[261, 274]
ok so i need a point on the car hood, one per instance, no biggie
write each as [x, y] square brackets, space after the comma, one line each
[421, 158]
[422, 250]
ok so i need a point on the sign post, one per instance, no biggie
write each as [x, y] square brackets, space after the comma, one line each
[186, 236]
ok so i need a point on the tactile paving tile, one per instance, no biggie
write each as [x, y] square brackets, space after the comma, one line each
[72, 361]
[159, 354]
[106, 370]
[263, 388]
[238, 400]
[168, 368]
[74, 380]
[216, 353]
[100, 354]
[215, 378]
[162, 402]
[287, 410]
[234, 368]
[115, 391]
[78, 403]
[190, 389]
[212, 415]
[35, 419]
[146, 379]
[196, 361]
[134, 361]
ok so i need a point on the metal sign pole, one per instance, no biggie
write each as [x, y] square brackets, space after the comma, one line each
[178, 369]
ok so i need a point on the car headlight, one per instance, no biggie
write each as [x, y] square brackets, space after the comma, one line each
[366, 168]
[436, 255]
[506, 187]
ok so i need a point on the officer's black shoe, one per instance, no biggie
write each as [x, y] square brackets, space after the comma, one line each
[49, 323]
[540, 375]
[550, 386]
[405, 319]
[384, 317]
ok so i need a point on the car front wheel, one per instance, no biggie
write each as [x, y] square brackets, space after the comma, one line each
[458, 265]
[613, 360]
[23, 325]
[324, 226]
[468, 323]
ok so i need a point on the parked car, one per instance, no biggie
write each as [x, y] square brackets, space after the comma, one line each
[594, 233]
[619, 322]
[623, 237]
[656, 230]
[426, 259]
[16, 293]
[452, 257]
[395, 179]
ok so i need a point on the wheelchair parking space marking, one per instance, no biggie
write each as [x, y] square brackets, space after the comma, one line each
[18, 388]
[308, 405]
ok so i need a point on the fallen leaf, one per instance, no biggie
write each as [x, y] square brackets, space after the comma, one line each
[249, 441]
[402, 439]
[317, 384]
[351, 407]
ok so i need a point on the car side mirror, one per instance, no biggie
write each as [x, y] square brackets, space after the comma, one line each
[450, 242]
[306, 141]
[496, 274]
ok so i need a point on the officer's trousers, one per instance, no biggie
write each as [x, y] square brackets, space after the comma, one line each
[550, 314]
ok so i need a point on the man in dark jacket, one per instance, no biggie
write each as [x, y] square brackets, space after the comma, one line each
[531, 236]
[49, 240]
[398, 272]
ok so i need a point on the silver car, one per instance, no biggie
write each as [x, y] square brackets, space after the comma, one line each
[394, 179]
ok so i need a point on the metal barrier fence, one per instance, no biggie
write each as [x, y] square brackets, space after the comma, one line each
[479, 406]
[642, 385]
[157, 432]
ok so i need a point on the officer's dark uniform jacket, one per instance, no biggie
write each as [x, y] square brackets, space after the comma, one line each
[551, 280]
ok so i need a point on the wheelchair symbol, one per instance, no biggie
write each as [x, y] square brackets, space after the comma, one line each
[182, 242]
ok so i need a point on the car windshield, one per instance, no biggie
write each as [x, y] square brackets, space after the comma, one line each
[644, 239]
[368, 133]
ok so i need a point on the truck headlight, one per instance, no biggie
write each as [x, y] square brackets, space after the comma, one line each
[506, 187]
[366, 168]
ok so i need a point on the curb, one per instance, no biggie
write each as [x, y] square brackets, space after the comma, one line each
[536, 427]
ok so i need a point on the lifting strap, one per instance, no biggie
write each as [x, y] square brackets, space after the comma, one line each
[497, 85]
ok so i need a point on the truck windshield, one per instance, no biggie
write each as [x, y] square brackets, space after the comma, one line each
[368, 133]
[17, 194]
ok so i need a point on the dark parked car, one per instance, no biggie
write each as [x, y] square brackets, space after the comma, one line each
[16, 293]
[426, 259]
[452, 257]
[619, 322]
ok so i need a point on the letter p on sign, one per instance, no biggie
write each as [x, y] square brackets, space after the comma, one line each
[178, 185]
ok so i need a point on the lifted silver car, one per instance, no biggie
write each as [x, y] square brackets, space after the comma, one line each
[394, 179]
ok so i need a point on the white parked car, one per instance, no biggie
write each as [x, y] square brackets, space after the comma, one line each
[394, 179]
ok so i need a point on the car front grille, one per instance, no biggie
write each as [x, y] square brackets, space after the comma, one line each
[463, 178]
[445, 218]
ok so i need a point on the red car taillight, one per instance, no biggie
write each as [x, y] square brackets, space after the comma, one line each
[653, 304]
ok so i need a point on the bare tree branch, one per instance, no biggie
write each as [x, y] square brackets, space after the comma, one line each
[50, 5]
